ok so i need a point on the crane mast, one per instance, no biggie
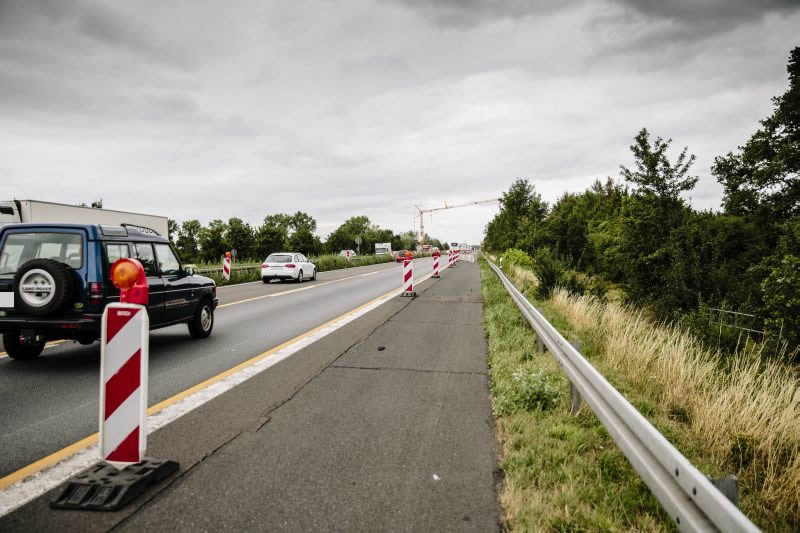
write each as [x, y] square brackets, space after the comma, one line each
[422, 212]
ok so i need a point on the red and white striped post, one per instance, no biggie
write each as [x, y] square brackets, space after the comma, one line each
[408, 278]
[436, 265]
[123, 389]
[124, 351]
[125, 336]
[226, 267]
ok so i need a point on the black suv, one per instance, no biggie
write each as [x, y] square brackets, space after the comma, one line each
[55, 283]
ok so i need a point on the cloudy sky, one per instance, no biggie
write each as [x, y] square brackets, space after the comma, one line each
[197, 109]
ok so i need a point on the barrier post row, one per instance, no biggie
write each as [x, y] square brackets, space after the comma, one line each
[408, 278]
[226, 267]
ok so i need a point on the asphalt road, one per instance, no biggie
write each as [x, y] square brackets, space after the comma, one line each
[384, 424]
[51, 403]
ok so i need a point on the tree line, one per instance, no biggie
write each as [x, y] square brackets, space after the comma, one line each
[282, 232]
[638, 233]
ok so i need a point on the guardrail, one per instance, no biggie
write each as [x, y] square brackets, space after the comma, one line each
[687, 495]
[233, 268]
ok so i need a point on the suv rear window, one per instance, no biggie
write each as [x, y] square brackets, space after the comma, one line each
[20, 248]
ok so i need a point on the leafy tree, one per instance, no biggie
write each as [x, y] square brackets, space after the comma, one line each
[305, 242]
[212, 241]
[654, 173]
[409, 240]
[240, 236]
[272, 236]
[518, 224]
[344, 237]
[763, 176]
[187, 244]
[172, 229]
[302, 221]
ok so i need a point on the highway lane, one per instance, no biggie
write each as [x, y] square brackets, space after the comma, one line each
[52, 402]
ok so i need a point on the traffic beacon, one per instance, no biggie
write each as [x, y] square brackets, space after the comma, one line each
[408, 275]
[124, 351]
[436, 255]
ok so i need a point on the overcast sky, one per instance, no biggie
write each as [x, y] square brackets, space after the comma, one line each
[197, 109]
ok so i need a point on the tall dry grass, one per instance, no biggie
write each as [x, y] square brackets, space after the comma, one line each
[742, 411]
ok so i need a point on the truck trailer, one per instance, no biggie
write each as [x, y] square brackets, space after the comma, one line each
[383, 248]
[36, 211]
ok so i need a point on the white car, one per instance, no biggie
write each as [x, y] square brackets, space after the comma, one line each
[287, 265]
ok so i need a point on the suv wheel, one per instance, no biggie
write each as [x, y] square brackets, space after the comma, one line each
[314, 276]
[43, 286]
[300, 277]
[19, 351]
[203, 321]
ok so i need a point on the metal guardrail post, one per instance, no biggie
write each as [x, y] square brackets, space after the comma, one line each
[685, 493]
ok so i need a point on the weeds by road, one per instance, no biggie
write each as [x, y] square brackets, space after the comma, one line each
[562, 472]
[738, 417]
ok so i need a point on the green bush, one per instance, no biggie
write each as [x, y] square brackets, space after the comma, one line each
[527, 390]
[515, 257]
[782, 298]
[549, 270]
[572, 282]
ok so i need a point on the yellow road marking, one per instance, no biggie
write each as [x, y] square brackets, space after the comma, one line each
[74, 448]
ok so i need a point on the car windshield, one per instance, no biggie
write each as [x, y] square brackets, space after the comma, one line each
[279, 258]
[20, 248]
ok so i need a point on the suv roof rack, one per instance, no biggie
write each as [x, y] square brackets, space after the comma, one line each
[140, 229]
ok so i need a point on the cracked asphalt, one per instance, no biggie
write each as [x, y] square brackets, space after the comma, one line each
[384, 424]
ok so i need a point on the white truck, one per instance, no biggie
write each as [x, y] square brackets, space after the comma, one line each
[383, 248]
[27, 211]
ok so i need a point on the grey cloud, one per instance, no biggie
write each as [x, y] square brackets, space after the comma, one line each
[726, 13]
[677, 21]
[469, 13]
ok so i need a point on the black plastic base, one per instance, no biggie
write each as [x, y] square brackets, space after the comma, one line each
[406, 293]
[104, 488]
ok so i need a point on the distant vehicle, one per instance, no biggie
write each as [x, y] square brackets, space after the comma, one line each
[55, 283]
[401, 256]
[287, 266]
[427, 248]
[435, 249]
[35, 211]
[383, 248]
[347, 253]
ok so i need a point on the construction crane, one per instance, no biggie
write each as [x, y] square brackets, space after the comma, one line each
[422, 212]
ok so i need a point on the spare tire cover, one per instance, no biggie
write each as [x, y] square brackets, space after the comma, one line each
[43, 286]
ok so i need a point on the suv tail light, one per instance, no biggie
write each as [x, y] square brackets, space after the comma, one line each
[95, 293]
[265, 265]
[289, 265]
[214, 291]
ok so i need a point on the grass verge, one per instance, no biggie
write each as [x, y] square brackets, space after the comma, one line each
[562, 472]
[739, 415]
